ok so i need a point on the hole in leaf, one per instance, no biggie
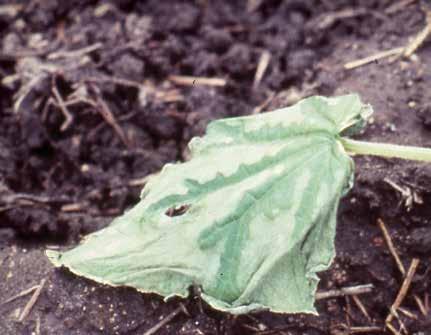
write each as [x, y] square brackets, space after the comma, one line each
[177, 210]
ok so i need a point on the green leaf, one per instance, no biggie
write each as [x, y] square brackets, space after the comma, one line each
[260, 196]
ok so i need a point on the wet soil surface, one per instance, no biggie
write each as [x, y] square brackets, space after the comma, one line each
[89, 108]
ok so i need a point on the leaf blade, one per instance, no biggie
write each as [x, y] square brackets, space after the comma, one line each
[263, 194]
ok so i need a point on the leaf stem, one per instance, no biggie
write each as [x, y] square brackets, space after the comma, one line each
[387, 150]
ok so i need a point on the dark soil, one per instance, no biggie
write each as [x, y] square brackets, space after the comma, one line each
[61, 180]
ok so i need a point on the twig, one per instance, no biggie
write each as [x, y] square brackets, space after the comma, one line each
[352, 290]
[408, 313]
[110, 119]
[403, 290]
[273, 331]
[348, 313]
[22, 54]
[26, 89]
[408, 197]
[165, 320]
[190, 81]
[405, 51]
[150, 91]
[45, 110]
[260, 325]
[326, 20]
[405, 192]
[253, 329]
[68, 117]
[80, 100]
[392, 329]
[373, 58]
[358, 330]
[420, 38]
[391, 247]
[8, 80]
[402, 325]
[398, 261]
[361, 307]
[252, 5]
[6, 208]
[41, 199]
[37, 328]
[398, 6]
[422, 308]
[32, 301]
[264, 104]
[72, 207]
[264, 59]
[114, 80]
[19, 295]
[103, 9]
[140, 181]
[75, 53]
[169, 96]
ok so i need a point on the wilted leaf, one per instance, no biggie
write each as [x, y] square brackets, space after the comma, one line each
[250, 218]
